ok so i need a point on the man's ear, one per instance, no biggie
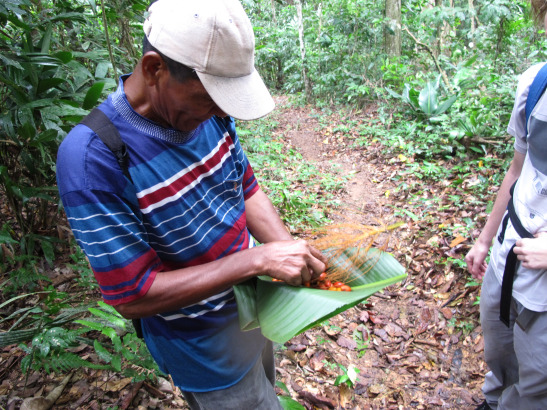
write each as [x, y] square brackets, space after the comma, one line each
[153, 68]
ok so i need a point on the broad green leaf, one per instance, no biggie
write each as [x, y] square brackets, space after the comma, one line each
[282, 386]
[102, 352]
[102, 69]
[341, 379]
[117, 363]
[17, 336]
[290, 404]
[428, 99]
[48, 250]
[93, 95]
[6, 238]
[446, 105]
[393, 93]
[285, 311]
[90, 324]
[10, 62]
[48, 83]
[246, 300]
[64, 56]
[46, 39]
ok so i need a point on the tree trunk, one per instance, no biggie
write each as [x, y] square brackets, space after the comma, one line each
[472, 13]
[392, 30]
[274, 14]
[307, 86]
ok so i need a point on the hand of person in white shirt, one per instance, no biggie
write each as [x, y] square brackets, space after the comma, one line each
[532, 252]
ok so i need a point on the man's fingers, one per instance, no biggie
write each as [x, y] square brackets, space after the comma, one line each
[316, 267]
[316, 253]
[306, 274]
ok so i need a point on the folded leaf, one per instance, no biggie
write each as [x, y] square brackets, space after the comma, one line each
[284, 311]
[246, 304]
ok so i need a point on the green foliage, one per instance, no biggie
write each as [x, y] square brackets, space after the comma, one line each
[58, 62]
[53, 341]
[33, 319]
[41, 86]
[426, 101]
[348, 376]
[362, 342]
[80, 265]
[118, 344]
[285, 400]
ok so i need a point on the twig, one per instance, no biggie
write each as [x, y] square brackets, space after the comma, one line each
[430, 51]
[105, 23]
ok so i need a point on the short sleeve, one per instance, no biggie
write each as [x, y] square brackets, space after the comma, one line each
[104, 222]
[517, 122]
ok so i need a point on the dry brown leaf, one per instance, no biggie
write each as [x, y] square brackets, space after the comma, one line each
[347, 343]
[117, 385]
[456, 241]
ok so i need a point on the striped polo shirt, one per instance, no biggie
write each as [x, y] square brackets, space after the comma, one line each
[184, 207]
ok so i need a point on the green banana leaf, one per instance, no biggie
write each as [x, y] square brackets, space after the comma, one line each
[283, 311]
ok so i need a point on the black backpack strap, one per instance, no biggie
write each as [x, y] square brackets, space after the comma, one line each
[101, 125]
[511, 261]
[110, 136]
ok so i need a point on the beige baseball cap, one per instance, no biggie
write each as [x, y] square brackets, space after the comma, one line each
[216, 39]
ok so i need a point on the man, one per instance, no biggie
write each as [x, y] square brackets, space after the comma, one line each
[168, 246]
[514, 321]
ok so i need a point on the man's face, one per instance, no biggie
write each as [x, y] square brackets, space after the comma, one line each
[183, 106]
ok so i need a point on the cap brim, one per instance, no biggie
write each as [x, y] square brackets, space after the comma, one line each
[244, 98]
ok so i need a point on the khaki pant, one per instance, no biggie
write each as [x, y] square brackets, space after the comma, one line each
[516, 355]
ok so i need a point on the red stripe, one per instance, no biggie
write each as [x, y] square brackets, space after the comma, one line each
[186, 179]
[226, 244]
[134, 273]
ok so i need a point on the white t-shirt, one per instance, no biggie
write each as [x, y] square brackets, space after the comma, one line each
[530, 194]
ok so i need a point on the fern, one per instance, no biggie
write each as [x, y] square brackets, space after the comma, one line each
[61, 361]
[52, 336]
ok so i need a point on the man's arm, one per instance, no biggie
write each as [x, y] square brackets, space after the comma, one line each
[475, 259]
[281, 257]
[263, 220]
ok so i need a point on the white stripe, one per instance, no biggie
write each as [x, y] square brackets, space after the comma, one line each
[103, 228]
[193, 234]
[194, 315]
[97, 215]
[151, 227]
[90, 255]
[110, 239]
[190, 222]
[180, 193]
[179, 174]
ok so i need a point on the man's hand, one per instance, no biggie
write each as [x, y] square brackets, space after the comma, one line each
[294, 262]
[475, 260]
[533, 252]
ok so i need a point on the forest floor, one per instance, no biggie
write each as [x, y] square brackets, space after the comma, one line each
[423, 338]
[416, 345]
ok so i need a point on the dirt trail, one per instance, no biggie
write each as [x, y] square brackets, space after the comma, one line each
[423, 342]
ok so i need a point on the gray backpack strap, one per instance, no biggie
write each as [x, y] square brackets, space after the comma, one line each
[110, 136]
